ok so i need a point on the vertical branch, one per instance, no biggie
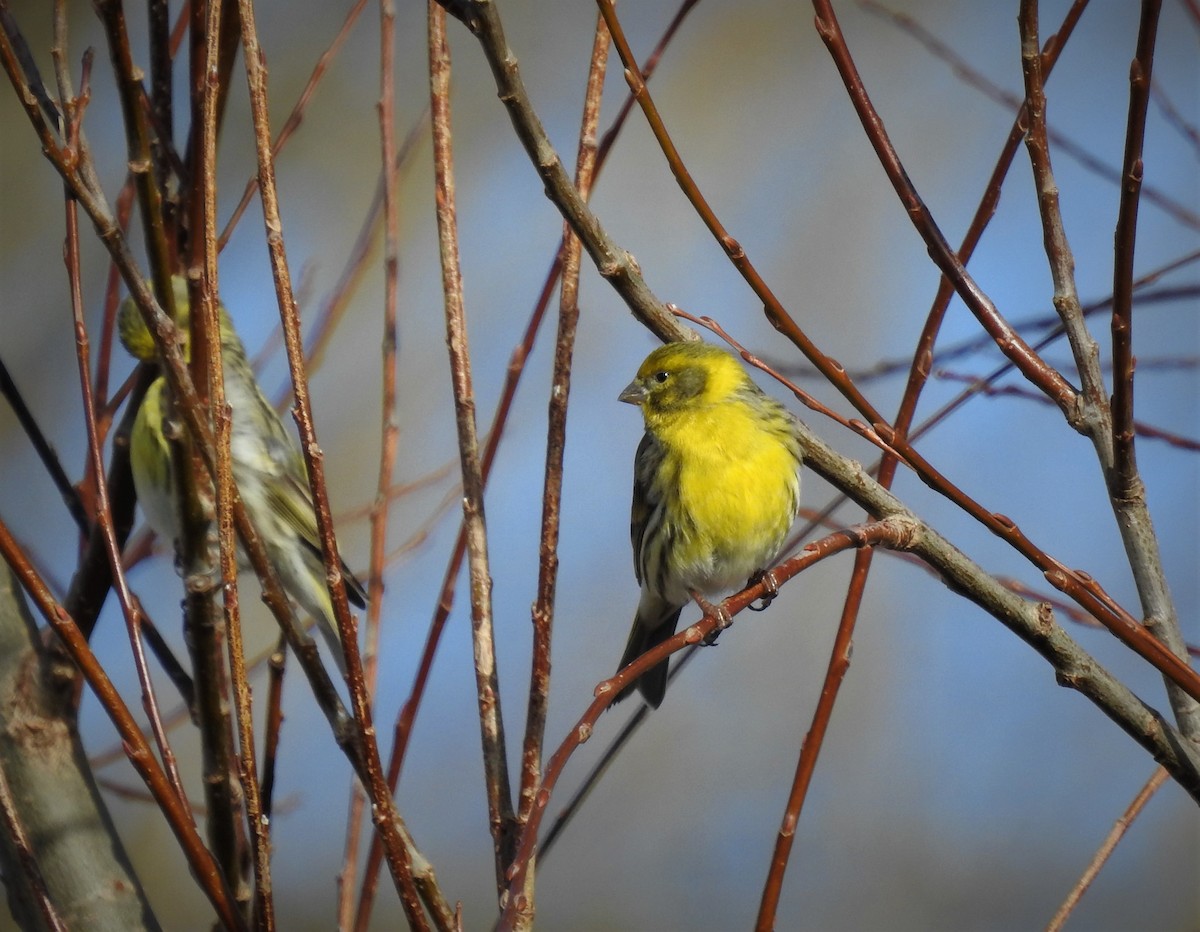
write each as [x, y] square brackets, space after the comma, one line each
[203, 157]
[560, 386]
[499, 792]
[396, 842]
[158, 19]
[276, 666]
[205, 566]
[389, 431]
[835, 674]
[137, 135]
[1058, 250]
[1124, 482]
[1103, 426]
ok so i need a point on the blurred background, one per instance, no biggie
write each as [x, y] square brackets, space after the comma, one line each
[959, 786]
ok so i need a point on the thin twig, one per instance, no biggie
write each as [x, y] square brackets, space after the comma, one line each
[1110, 428]
[611, 261]
[1142, 429]
[556, 438]
[389, 429]
[1157, 779]
[898, 532]
[296, 117]
[806, 763]
[516, 367]
[204, 200]
[1125, 482]
[501, 817]
[397, 845]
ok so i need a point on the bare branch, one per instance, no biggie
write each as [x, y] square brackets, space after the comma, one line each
[501, 816]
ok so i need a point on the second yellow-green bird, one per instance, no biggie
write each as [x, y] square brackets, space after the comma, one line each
[267, 467]
[716, 486]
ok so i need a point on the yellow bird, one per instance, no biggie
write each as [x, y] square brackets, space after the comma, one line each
[267, 467]
[716, 487]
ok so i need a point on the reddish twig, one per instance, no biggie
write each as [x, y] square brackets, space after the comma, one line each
[296, 117]
[276, 666]
[95, 466]
[1142, 429]
[1157, 779]
[884, 533]
[1063, 143]
[137, 133]
[389, 430]
[806, 764]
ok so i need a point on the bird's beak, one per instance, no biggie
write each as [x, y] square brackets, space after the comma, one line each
[634, 393]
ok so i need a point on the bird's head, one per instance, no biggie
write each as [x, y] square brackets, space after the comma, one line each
[678, 377]
[135, 335]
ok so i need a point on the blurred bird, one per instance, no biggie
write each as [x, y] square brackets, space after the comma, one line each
[716, 486]
[267, 467]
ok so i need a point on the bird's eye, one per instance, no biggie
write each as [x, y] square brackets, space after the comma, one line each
[660, 377]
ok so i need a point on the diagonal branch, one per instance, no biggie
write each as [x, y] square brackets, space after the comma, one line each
[612, 262]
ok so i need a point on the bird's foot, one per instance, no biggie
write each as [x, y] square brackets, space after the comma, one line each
[770, 589]
[716, 611]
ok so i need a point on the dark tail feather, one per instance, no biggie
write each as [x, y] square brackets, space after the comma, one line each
[356, 592]
[653, 683]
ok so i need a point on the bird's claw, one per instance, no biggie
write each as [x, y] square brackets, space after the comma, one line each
[719, 613]
[770, 590]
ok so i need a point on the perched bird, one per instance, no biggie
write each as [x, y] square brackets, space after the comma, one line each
[267, 467]
[716, 486]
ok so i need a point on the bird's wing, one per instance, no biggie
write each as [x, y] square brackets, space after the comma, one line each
[645, 463]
